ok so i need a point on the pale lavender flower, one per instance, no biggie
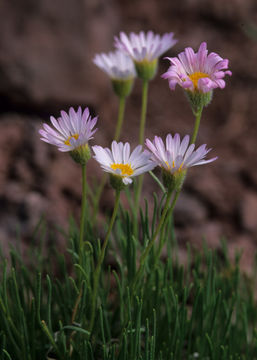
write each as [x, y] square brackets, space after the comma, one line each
[197, 71]
[70, 131]
[144, 46]
[177, 155]
[120, 162]
[117, 65]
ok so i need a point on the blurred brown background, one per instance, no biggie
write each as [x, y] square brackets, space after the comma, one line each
[46, 51]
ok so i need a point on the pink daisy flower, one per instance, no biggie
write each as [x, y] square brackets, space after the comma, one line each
[197, 71]
[177, 155]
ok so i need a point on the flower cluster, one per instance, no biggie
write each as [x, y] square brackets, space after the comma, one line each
[137, 54]
[74, 130]
[140, 51]
[197, 73]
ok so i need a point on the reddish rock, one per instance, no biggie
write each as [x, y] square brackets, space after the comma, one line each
[246, 247]
[249, 211]
[47, 49]
[210, 232]
[189, 210]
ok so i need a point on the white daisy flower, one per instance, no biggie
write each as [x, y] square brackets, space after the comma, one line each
[177, 155]
[120, 162]
[117, 65]
[144, 46]
[70, 131]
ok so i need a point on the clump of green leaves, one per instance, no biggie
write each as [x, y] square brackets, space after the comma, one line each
[202, 310]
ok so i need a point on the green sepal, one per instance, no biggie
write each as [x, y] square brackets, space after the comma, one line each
[173, 181]
[81, 154]
[146, 70]
[122, 88]
[116, 182]
[198, 99]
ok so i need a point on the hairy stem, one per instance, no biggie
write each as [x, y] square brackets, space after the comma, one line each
[82, 215]
[122, 102]
[138, 189]
[143, 112]
[169, 213]
[198, 116]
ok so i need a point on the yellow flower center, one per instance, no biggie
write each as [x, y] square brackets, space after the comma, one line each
[173, 165]
[126, 169]
[196, 76]
[75, 136]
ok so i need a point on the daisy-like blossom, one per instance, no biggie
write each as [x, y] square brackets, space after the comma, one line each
[70, 131]
[177, 155]
[197, 71]
[144, 46]
[120, 162]
[117, 65]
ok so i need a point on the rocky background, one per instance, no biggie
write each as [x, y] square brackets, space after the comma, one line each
[46, 51]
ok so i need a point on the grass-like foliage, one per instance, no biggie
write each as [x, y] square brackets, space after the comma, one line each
[202, 310]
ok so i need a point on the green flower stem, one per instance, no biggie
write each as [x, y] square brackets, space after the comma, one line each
[97, 197]
[100, 261]
[122, 102]
[83, 214]
[151, 243]
[143, 111]
[198, 115]
[166, 211]
[158, 181]
[169, 214]
[138, 189]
